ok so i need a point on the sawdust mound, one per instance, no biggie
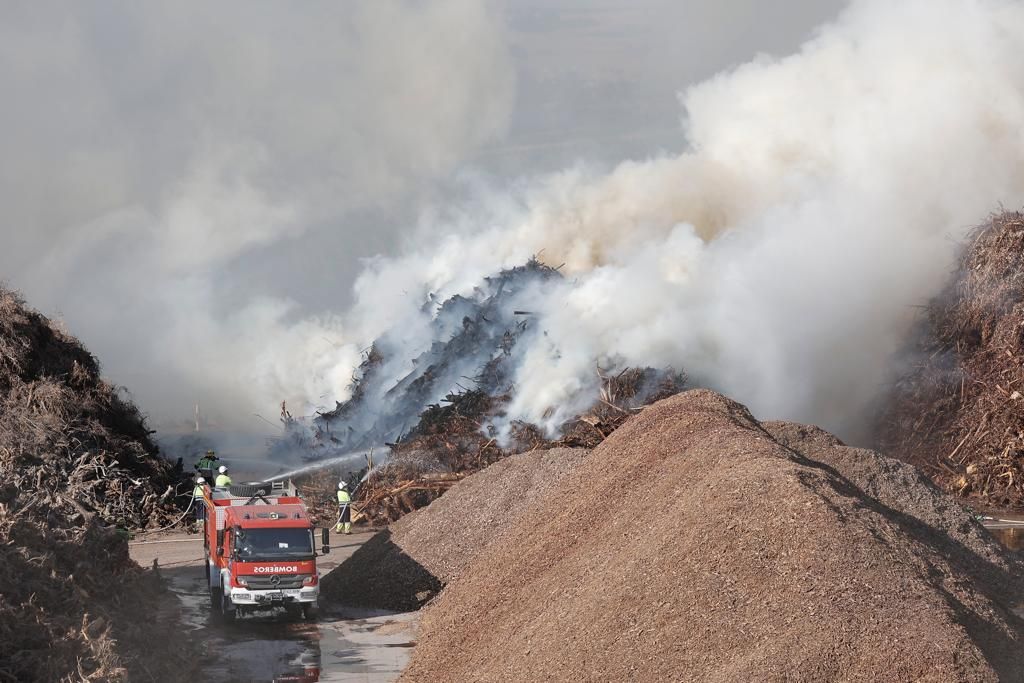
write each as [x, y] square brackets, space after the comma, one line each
[692, 545]
[957, 413]
[408, 564]
[75, 459]
[897, 485]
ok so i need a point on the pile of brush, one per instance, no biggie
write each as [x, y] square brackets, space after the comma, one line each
[69, 442]
[959, 413]
[74, 607]
[76, 463]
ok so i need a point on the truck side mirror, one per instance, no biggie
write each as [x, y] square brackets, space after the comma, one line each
[325, 540]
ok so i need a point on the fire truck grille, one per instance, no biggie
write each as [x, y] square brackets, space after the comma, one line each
[274, 581]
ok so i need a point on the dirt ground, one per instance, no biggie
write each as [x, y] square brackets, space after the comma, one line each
[345, 644]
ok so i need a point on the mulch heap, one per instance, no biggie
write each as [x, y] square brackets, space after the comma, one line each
[958, 412]
[77, 469]
[408, 564]
[698, 544]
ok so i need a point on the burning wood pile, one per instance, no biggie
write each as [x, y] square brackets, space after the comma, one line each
[455, 439]
[959, 413]
[470, 345]
[474, 349]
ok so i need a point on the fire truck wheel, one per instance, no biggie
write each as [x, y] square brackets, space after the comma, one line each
[310, 612]
[227, 608]
[215, 596]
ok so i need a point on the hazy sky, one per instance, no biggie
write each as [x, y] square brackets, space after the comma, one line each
[183, 181]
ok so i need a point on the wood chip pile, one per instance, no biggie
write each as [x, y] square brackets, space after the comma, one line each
[408, 564]
[958, 413]
[692, 544]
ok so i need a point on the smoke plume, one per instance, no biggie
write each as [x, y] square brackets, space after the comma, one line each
[779, 258]
[178, 174]
[186, 181]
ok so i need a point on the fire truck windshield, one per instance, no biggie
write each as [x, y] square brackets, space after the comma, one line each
[273, 544]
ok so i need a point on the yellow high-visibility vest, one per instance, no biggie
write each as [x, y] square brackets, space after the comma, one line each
[197, 492]
[222, 480]
[344, 498]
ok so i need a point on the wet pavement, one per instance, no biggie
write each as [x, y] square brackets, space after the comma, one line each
[341, 645]
[1007, 527]
[1010, 536]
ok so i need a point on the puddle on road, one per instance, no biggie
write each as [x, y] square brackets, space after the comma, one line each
[1012, 538]
[273, 647]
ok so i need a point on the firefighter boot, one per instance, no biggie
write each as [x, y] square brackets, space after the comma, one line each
[348, 527]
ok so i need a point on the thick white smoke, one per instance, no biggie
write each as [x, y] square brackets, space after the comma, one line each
[171, 169]
[780, 257]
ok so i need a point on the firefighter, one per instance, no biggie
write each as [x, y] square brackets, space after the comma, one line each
[222, 479]
[344, 509]
[206, 464]
[197, 500]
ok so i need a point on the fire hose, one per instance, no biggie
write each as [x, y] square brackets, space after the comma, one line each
[174, 523]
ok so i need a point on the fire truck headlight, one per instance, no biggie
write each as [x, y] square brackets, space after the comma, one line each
[241, 582]
[310, 580]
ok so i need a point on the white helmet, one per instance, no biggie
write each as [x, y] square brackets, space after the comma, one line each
[200, 480]
[342, 484]
[222, 469]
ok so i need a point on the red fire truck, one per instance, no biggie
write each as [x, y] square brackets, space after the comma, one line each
[260, 550]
